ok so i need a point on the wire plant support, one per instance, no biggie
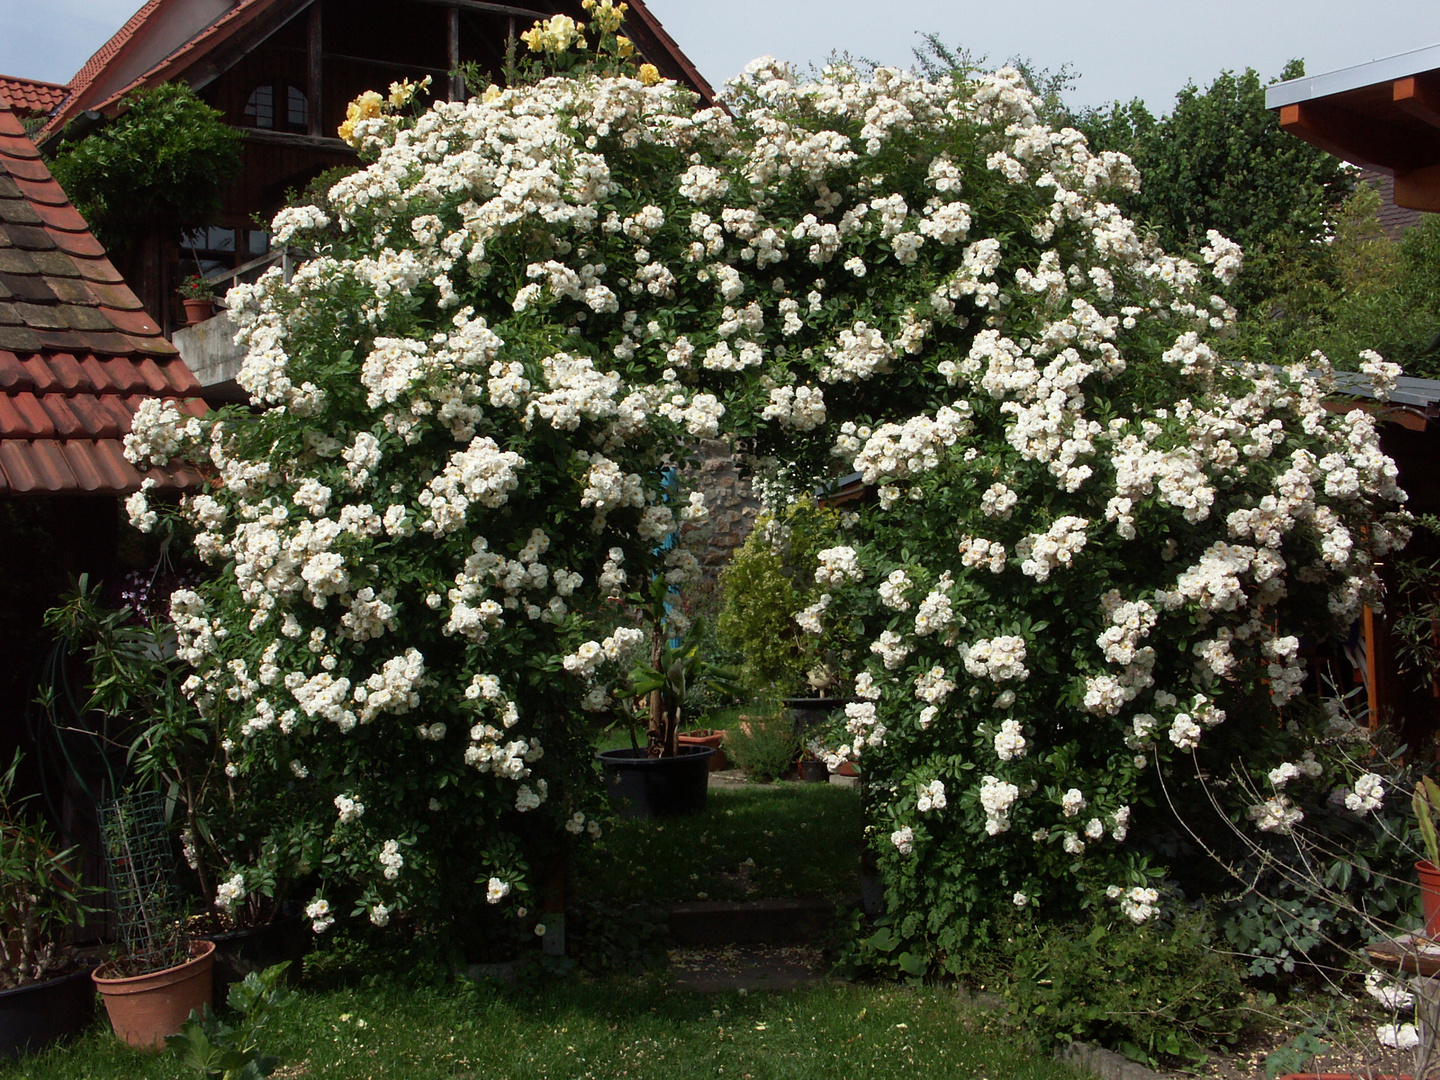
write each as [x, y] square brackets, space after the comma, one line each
[141, 873]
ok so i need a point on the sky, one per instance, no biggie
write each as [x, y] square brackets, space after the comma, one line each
[1119, 49]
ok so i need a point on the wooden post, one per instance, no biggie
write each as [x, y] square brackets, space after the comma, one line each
[1372, 665]
[457, 84]
[314, 84]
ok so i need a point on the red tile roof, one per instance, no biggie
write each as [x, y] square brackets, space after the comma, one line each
[78, 353]
[31, 97]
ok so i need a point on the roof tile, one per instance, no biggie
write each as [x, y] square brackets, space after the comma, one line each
[50, 466]
[82, 244]
[32, 95]
[63, 420]
[15, 463]
[61, 217]
[80, 457]
[20, 339]
[15, 261]
[33, 420]
[27, 286]
[19, 212]
[30, 238]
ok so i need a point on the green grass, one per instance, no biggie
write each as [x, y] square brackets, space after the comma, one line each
[785, 839]
[605, 1030]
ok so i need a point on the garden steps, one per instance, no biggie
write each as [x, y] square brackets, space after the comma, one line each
[785, 920]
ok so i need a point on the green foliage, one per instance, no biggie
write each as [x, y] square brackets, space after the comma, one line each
[1154, 993]
[1368, 292]
[768, 579]
[161, 166]
[767, 751]
[1220, 160]
[216, 1050]
[41, 899]
[1294, 1055]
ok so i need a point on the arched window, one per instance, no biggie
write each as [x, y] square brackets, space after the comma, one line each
[278, 106]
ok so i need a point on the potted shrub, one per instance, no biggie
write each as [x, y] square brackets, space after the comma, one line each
[133, 677]
[1425, 802]
[45, 991]
[198, 296]
[666, 777]
[160, 974]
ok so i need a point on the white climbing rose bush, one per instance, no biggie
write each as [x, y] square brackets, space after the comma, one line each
[1093, 548]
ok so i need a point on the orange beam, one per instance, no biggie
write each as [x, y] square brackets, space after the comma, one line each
[1362, 140]
[1418, 97]
[1418, 189]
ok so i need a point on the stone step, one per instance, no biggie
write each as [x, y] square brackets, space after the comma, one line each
[789, 920]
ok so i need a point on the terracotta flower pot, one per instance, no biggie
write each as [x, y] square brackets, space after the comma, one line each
[145, 1008]
[197, 311]
[1429, 896]
[707, 737]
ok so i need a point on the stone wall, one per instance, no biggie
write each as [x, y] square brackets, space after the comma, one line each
[733, 506]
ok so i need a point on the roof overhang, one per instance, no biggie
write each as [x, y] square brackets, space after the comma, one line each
[1384, 115]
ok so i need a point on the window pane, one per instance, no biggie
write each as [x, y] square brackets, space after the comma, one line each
[261, 106]
[298, 114]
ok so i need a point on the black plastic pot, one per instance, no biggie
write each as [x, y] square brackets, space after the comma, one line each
[813, 771]
[36, 1014]
[255, 948]
[642, 787]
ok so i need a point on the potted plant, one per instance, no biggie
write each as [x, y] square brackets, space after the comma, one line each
[1426, 802]
[714, 738]
[133, 677]
[665, 777]
[45, 991]
[160, 974]
[198, 296]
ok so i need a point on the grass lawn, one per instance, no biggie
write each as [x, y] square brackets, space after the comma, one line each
[613, 1028]
[753, 840]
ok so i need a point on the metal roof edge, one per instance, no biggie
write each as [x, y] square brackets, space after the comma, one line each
[1310, 87]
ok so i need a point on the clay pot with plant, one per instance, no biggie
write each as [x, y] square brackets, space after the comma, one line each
[44, 985]
[198, 297]
[1426, 803]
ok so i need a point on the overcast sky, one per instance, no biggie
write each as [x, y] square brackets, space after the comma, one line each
[1119, 48]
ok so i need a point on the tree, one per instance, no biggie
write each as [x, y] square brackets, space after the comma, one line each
[161, 166]
[1220, 160]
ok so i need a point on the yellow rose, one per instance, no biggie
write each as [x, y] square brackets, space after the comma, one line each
[367, 106]
[649, 74]
[626, 47]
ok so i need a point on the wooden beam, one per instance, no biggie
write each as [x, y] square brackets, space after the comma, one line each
[488, 8]
[314, 84]
[305, 142]
[1418, 189]
[1362, 140]
[452, 39]
[388, 64]
[1419, 97]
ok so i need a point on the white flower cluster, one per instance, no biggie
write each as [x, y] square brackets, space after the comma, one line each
[1000, 659]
